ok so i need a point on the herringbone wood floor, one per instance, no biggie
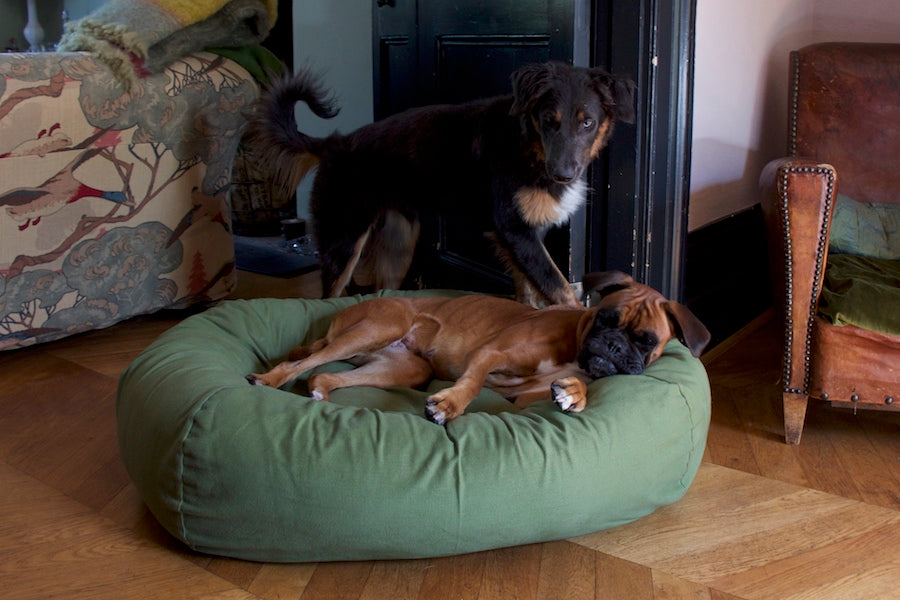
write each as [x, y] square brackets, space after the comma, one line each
[762, 520]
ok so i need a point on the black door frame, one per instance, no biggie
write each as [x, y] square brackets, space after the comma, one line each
[645, 172]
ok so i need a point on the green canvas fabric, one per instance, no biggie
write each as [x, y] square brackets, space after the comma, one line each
[270, 475]
[862, 291]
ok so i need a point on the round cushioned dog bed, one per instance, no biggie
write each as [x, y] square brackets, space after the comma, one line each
[270, 475]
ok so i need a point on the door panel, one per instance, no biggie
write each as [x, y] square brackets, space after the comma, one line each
[395, 91]
[498, 55]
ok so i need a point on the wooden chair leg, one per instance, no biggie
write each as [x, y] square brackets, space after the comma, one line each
[794, 416]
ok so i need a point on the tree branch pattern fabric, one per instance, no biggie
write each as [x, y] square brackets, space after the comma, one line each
[113, 201]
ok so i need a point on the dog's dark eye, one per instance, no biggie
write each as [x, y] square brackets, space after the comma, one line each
[606, 319]
[645, 340]
[588, 124]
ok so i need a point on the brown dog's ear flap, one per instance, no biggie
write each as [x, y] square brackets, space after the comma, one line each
[529, 83]
[605, 282]
[693, 333]
[617, 94]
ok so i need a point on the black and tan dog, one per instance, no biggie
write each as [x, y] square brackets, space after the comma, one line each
[521, 352]
[511, 165]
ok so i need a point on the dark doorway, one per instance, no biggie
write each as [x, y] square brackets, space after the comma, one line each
[432, 51]
[281, 38]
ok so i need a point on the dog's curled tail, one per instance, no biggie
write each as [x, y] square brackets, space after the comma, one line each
[273, 132]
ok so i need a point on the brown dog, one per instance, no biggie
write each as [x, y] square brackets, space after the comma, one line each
[477, 341]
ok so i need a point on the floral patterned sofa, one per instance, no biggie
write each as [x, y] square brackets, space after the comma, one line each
[113, 203]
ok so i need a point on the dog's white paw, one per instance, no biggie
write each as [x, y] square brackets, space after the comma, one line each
[569, 394]
[434, 414]
[254, 379]
[447, 404]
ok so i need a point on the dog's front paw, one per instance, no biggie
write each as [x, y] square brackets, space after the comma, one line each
[443, 407]
[433, 413]
[570, 394]
[254, 379]
[264, 379]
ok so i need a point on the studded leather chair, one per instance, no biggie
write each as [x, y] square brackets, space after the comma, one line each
[844, 119]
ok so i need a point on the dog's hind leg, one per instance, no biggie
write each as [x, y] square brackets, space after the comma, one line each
[334, 282]
[352, 333]
[392, 366]
[301, 352]
[388, 252]
[393, 250]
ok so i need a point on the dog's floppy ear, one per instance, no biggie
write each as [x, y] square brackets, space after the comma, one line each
[693, 333]
[624, 89]
[529, 83]
[605, 282]
[617, 94]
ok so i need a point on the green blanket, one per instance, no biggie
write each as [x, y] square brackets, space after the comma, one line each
[862, 291]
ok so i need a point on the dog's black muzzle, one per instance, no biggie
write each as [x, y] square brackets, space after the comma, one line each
[609, 351]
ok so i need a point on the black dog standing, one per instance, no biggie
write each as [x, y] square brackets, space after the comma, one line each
[517, 161]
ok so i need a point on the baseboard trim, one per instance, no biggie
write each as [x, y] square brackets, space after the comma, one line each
[736, 338]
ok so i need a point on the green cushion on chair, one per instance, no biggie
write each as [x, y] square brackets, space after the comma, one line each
[270, 475]
[865, 228]
[862, 291]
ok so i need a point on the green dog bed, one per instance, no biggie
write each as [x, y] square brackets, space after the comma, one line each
[271, 475]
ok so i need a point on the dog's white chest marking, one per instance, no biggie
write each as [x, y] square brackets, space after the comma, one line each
[540, 209]
[546, 366]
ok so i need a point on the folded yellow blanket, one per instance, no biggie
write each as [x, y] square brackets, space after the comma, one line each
[188, 12]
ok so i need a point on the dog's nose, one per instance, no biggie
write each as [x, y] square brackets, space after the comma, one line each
[566, 174]
[563, 171]
[598, 366]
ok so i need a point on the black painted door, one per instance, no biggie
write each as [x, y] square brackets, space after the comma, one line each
[437, 51]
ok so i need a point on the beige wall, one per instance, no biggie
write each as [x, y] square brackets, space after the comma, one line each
[857, 20]
[740, 86]
[334, 39]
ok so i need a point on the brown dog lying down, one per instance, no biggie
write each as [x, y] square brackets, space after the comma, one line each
[483, 341]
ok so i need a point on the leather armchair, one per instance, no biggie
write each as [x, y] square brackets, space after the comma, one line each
[844, 119]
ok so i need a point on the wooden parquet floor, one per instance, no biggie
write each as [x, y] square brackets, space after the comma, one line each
[763, 520]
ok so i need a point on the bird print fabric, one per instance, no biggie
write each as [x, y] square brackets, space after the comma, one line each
[113, 203]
